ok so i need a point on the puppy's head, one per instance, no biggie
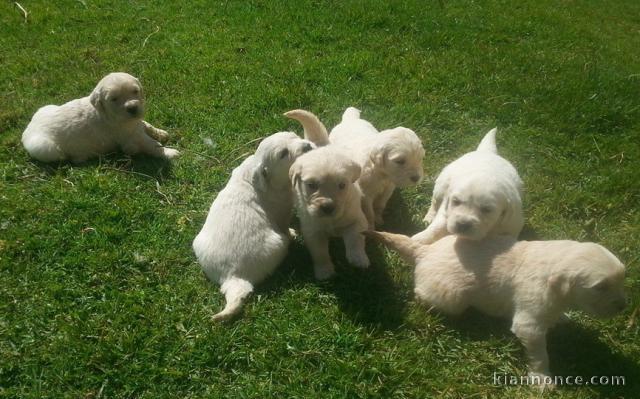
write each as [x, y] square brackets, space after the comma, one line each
[399, 153]
[474, 207]
[275, 155]
[323, 181]
[119, 97]
[595, 283]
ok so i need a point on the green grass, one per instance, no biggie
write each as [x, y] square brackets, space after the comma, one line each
[100, 294]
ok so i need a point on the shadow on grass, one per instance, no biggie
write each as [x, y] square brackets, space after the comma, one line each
[139, 166]
[398, 218]
[574, 350]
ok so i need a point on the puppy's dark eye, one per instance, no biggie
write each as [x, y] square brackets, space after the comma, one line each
[136, 91]
[114, 99]
[342, 186]
[400, 161]
[313, 186]
[282, 154]
[486, 209]
[455, 202]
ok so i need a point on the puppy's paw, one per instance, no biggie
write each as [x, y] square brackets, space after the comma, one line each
[161, 135]
[358, 259]
[170, 153]
[324, 272]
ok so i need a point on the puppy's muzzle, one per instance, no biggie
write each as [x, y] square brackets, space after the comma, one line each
[463, 227]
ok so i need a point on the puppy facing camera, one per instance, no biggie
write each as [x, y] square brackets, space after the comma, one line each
[246, 233]
[388, 159]
[531, 282]
[105, 121]
[477, 195]
[328, 204]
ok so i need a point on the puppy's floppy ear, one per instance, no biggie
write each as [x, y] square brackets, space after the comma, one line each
[559, 286]
[294, 173]
[378, 155]
[260, 178]
[354, 171]
[96, 98]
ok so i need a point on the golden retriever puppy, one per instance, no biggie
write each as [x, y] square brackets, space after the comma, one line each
[328, 204]
[531, 282]
[478, 194]
[108, 119]
[246, 234]
[388, 159]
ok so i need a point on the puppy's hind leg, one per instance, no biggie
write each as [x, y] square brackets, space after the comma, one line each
[235, 291]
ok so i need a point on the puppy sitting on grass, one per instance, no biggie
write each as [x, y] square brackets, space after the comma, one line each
[388, 159]
[531, 282]
[107, 120]
[477, 195]
[246, 234]
[328, 205]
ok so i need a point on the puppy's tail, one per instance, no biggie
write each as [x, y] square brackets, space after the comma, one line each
[405, 246]
[351, 113]
[314, 130]
[235, 291]
[488, 143]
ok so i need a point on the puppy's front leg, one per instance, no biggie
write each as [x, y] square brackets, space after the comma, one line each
[354, 246]
[155, 133]
[534, 338]
[436, 230]
[141, 142]
[367, 209]
[318, 245]
[381, 202]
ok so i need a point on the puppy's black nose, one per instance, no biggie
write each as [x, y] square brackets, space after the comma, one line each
[132, 109]
[306, 147]
[415, 178]
[327, 209]
[463, 227]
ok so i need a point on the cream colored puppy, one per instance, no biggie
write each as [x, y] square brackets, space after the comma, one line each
[389, 159]
[246, 236]
[531, 282]
[476, 195]
[107, 120]
[328, 204]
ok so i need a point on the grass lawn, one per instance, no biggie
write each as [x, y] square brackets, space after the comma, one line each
[100, 293]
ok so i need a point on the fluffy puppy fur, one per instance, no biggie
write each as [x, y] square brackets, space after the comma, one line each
[531, 282]
[245, 236]
[328, 204]
[388, 159]
[108, 119]
[478, 194]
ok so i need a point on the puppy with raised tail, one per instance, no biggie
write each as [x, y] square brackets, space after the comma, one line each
[328, 204]
[531, 282]
[388, 159]
[477, 195]
[246, 233]
[107, 120]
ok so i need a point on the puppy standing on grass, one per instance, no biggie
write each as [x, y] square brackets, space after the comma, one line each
[477, 195]
[328, 205]
[532, 282]
[108, 119]
[246, 234]
[388, 159]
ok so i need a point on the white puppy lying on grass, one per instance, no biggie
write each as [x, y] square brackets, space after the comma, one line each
[328, 205]
[246, 234]
[107, 120]
[388, 159]
[477, 195]
[532, 282]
